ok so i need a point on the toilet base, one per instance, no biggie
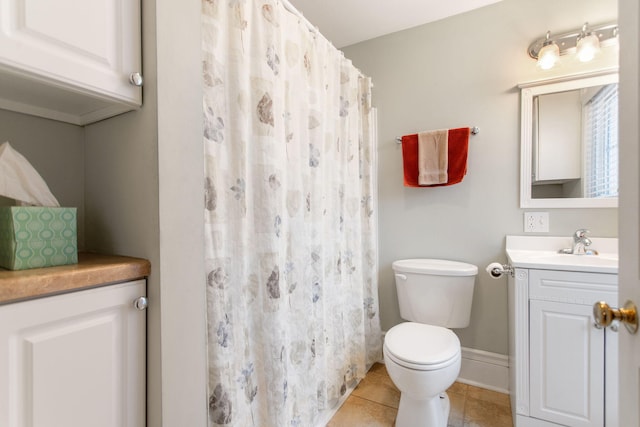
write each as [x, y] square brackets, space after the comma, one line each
[433, 412]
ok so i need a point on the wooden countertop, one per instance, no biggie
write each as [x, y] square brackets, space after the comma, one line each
[92, 270]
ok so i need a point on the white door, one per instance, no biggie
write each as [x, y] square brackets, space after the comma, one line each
[567, 364]
[74, 360]
[629, 220]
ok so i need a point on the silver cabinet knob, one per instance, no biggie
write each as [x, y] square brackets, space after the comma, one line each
[141, 303]
[136, 79]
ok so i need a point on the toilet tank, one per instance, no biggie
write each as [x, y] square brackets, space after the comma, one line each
[435, 292]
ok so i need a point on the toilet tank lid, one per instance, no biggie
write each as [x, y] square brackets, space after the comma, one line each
[438, 267]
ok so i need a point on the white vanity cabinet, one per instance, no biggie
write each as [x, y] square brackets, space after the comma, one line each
[70, 60]
[563, 368]
[74, 360]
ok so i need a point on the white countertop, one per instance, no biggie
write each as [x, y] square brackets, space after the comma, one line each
[541, 252]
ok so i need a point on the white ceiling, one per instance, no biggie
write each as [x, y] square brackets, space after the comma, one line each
[345, 22]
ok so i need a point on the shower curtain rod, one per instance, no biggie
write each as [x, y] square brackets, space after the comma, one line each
[312, 28]
[291, 8]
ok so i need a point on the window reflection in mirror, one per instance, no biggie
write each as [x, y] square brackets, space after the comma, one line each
[575, 143]
[569, 141]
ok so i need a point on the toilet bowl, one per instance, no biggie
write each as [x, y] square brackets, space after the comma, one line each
[422, 361]
[422, 356]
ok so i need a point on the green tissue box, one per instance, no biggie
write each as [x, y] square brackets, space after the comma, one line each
[36, 236]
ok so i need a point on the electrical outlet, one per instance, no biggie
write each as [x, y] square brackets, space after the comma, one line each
[536, 222]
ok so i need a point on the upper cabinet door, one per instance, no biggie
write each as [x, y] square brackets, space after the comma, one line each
[70, 60]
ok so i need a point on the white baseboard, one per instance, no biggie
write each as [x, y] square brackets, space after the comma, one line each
[484, 369]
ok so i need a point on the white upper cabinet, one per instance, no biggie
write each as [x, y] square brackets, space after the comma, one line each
[70, 60]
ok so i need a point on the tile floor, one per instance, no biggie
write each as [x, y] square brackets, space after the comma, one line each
[374, 403]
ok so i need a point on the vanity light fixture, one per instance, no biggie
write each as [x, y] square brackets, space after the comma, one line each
[549, 53]
[585, 43]
[588, 44]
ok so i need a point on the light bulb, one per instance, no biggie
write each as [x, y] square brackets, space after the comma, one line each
[548, 55]
[587, 47]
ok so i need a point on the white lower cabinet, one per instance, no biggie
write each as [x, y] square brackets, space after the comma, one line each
[567, 364]
[74, 360]
[563, 368]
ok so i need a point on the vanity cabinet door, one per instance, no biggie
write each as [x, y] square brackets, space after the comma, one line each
[74, 360]
[567, 364]
[70, 60]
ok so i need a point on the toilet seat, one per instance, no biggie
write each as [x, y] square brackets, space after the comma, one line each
[422, 347]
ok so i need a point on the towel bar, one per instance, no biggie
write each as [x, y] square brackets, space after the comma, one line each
[474, 131]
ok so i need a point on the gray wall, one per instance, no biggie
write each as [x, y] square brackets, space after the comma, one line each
[463, 71]
[56, 151]
[121, 184]
[138, 166]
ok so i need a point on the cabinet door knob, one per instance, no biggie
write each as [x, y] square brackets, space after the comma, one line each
[136, 79]
[604, 315]
[141, 303]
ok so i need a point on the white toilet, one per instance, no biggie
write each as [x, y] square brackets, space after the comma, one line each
[422, 356]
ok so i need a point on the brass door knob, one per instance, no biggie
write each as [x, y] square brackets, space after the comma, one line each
[604, 315]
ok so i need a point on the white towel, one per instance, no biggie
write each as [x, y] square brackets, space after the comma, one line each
[433, 157]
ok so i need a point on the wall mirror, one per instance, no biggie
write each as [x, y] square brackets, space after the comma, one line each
[569, 142]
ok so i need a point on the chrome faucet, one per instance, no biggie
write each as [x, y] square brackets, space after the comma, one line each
[581, 242]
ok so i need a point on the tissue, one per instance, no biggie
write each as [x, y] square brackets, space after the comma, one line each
[32, 236]
[21, 182]
[495, 270]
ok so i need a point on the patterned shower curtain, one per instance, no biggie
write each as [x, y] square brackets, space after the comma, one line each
[290, 218]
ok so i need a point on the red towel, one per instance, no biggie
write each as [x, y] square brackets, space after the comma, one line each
[457, 151]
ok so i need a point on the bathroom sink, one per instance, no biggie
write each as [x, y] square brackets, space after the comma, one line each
[541, 252]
